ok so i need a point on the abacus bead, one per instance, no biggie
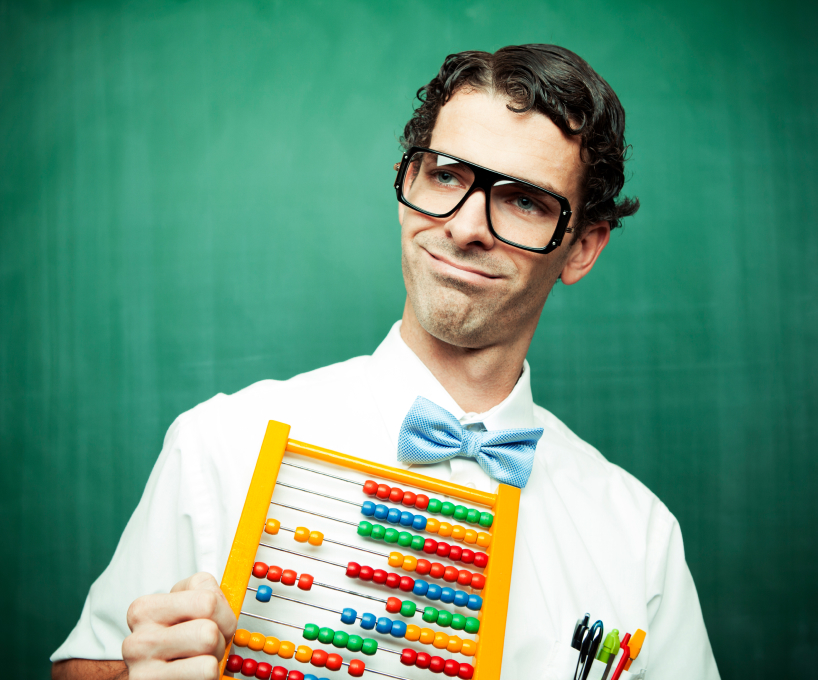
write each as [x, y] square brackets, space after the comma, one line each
[421, 501]
[379, 576]
[460, 512]
[355, 643]
[311, 630]
[458, 532]
[483, 539]
[430, 614]
[365, 573]
[260, 570]
[405, 539]
[274, 574]
[464, 577]
[241, 637]
[264, 593]
[409, 498]
[447, 595]
[418, 542]
[395, 559]
[370, 646]
[334, 661]
[469, 647]
[458, 621]
[319, 658]
[356, 668]
[396, 495]
[455, 552]
[478, 581]
[325, 635]
[392, 580]
[472, 625]
[288, 577]
[286, 650]
[423, 660]
[393, 605]
[450, 574]
[423, 567]
[378, 532]
[370, 487]
[444, 618]
[450, 668]
[437, 664]
[279, 673]
[406, 518]
[486, 519]
[365, 528]
[340, 639]
[441, 640]
[412, 632]
[420, 587]
[418, 522]
[248, 667]
[432, 525]
[316, 538]
[271, 645]
[473, 516]
[353, 569]
[368, 621]
[466, 671]
[455, 643]
[447, 509]
[305, 581]
[434, 506]
[381, 512]
[295, 675]
[257, 641]
[367, 508]
[303, 654]
[461, 598]
[409, 563]
[234, 662]
[437, 570]
[393, 516]
[301, 534]
[443, 549]
[398, 629]
[383, 491]
[272, 526]
[480, 559]
[310, 676]
[467, 556]
[475, 603]
[408, 657]
[427, 636]
[445, 529]
[391, 535]
[406, 584]
[384, 625]
[433, 591]
[429, 546]
[470, 537]
[348, 616]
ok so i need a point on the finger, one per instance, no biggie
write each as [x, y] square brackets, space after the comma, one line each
[194, 668]
[188, 639]
[169, 609]
[200, 580]
[223, 615]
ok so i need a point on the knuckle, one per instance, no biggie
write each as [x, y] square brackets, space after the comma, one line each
[202, 579]
[207, 601]
[209, 636]
[208, 668]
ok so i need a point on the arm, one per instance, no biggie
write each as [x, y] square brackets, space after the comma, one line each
[86, 669]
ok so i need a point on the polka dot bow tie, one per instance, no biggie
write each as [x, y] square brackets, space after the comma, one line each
[430, 434]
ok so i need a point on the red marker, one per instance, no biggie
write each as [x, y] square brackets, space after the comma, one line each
[626, 655]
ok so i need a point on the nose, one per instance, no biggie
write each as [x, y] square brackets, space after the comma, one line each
[469, 227]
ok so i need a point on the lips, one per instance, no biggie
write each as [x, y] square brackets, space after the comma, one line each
[458, 269]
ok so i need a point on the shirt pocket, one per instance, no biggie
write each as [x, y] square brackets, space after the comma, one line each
[561, 664]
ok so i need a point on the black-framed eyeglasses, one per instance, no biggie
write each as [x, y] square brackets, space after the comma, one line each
[518, 212]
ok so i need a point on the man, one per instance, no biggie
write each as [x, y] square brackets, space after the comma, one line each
[515, 189]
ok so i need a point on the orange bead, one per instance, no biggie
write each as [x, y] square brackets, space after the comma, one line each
[445, 529]
[316, 538]
[241, 637]
[271, 645]
[272, 526]
[410, 563]
[256, 642]
[427, 636]
[469, 647]
[286, 649]
[441, 640]
[455, 644]
[432, 525]
[302, 534]
[483, 539]
[395, 559]
[458, 532]
[471, 536]
[303, 653]
[412, 632]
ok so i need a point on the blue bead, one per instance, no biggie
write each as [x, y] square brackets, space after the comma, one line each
[381, 511]
[384, 625]
[420, 587]
[475, 603]
[461, 598]
[393, 517]
[419, 522]
[368, 621]
[368, 508]
[433, 592]
[349, 615]
[264, 593]
[406, 518]
[447, 595]
[310, 676]
[398, 629]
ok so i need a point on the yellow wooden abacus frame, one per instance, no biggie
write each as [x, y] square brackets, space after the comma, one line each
[504, 504]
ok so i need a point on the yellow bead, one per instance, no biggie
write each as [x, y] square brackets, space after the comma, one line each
[395, 559]
[302, 534]
[445, 529]
[483, 539]
[303, 653]
[432, 525]
[458, 532]
[316, 538]
[469, 648]
[286, 649]
[471, 536]
[241, 637]
[441, 640]
[257, 641]
[455, 644]
[412, 632]
[410, 563]
[272, 526]
[271, 645]
[427, 636]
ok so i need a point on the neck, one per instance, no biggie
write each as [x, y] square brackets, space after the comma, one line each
[477, 379]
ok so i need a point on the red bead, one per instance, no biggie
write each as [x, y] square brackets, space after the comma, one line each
[263, 671]
[248, 667]
[467, 556]
[392, 580]
[465, 671]
[379, 576]
[409, 498]
[274, 574]
[437, 570]
[396, 495]
[455, 551]
[450, 667]
[319, 658]
[370, 487]
[279, 673]
[353, 569]
[443, 549]
[423, 567]
[464, 577]
[480, 559]
[421, 502]
[437, 664]
[260, 570]
[366, 573]
[407, 583]
[408, 657]
[478, 581]
[295, 675]
[288, 577]
[234, 662]
[356, 668]
[305, 581]
[429, 546]
[423, 660]
[450, 574]
[334, 662]
[393, 605]
[383, 492]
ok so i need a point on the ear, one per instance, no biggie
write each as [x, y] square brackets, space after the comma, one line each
[582, 254]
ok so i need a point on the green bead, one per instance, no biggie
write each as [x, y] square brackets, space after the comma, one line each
[378, 532]
[340, 639]
[472, 624]
[458, 621]
[405, 539]
[486, 519]
[355, 643]
[325, 635]
[434, 506]
[447, 509]
[460, 512]
[370, 646]
[364, 528]
[430, 614]
[473, 516]
[311, 631]
[391, 535]
[408, 609]
[418, 542]
[444, 618]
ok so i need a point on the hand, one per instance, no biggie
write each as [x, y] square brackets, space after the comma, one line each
[179, 635]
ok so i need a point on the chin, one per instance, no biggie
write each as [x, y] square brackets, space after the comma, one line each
[457, 322]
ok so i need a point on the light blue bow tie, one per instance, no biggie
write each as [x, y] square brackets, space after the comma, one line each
[430, 434]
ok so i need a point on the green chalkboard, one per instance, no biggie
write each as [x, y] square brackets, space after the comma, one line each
[163, 238]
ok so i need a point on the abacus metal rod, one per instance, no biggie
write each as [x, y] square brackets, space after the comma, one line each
[310, 557]
[345, 545]
[326, 585]
[318, 472]
[312, 512]
[316, 493]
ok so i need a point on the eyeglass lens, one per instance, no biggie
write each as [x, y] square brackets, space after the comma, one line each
[520, 213]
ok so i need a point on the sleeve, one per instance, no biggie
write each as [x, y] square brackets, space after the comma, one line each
[169, 537]
[677, 637]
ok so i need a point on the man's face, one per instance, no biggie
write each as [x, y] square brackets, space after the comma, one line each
[466, 287]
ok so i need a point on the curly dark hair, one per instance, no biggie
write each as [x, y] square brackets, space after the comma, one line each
[559, 84]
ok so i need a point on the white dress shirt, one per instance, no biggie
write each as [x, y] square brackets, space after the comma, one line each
[591, 538]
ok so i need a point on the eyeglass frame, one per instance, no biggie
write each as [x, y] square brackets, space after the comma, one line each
[485, 178]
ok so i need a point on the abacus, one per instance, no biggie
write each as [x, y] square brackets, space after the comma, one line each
[481, 595]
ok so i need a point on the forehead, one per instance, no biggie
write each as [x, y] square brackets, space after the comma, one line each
[478, 127]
